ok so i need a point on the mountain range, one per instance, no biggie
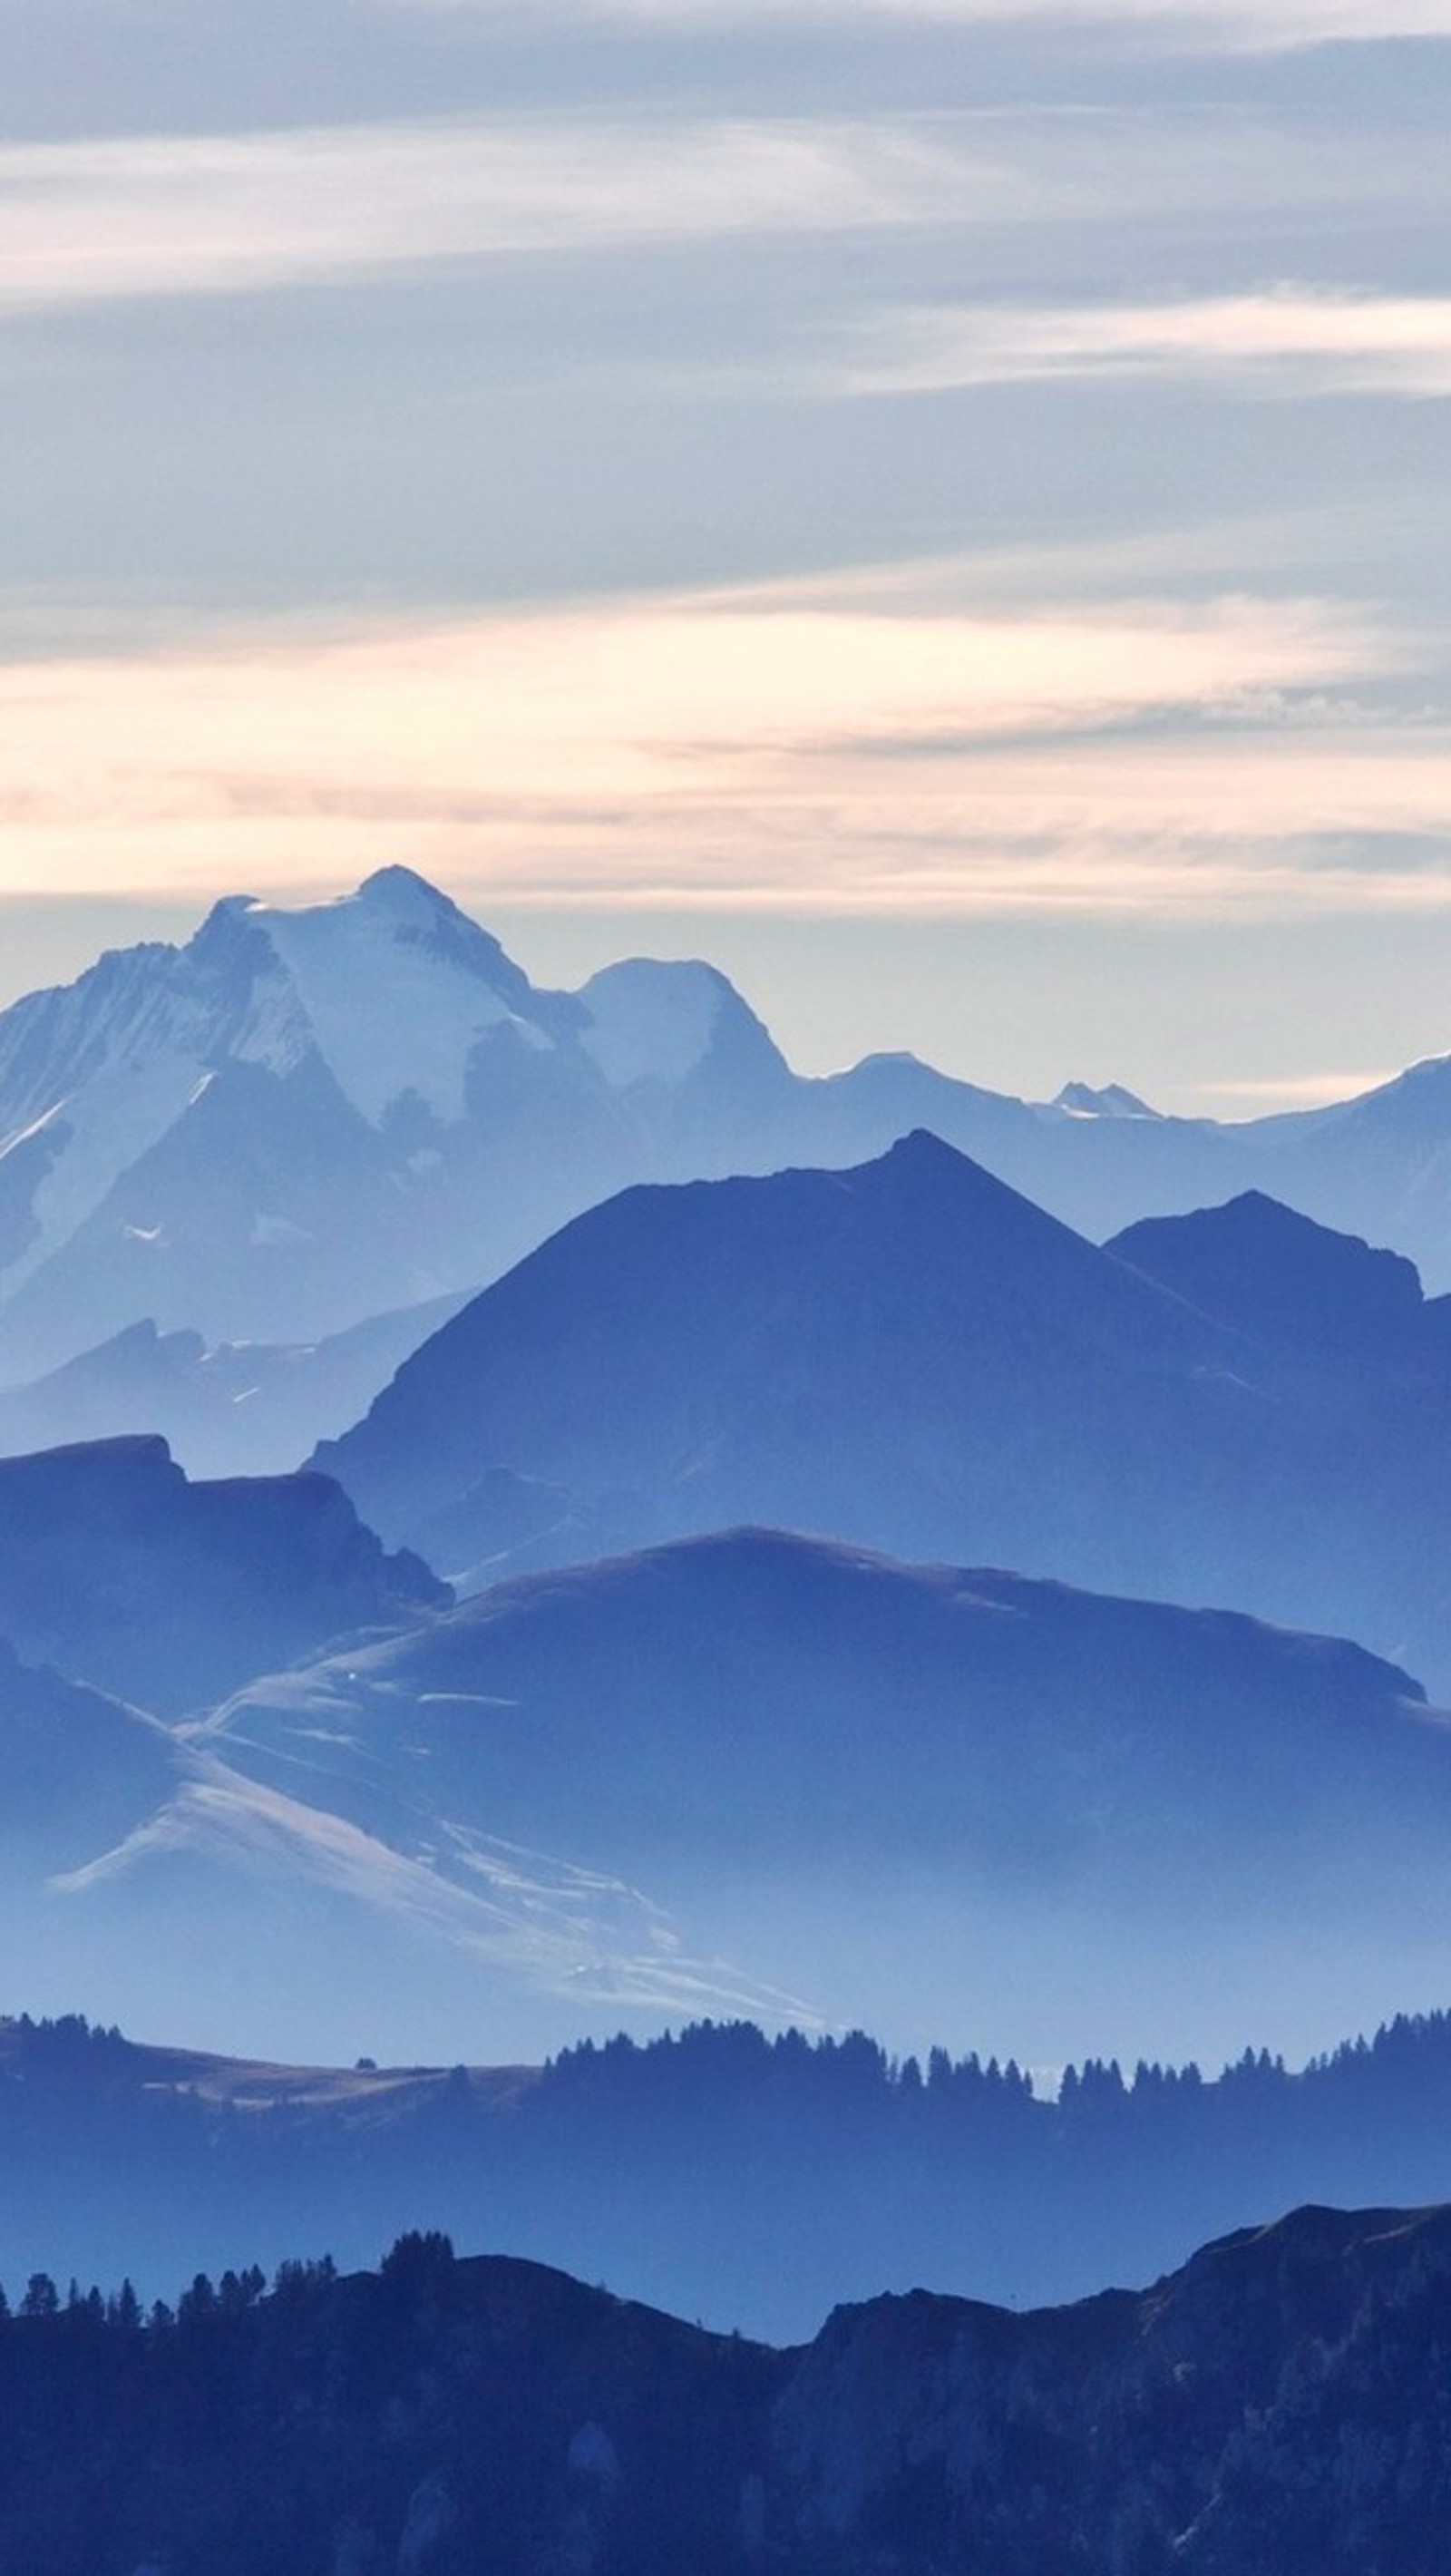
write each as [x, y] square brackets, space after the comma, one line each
[686, 1760]
[303, 1119]
[911, 1356]
[778, 1598]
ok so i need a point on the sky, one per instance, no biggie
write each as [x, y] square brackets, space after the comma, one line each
[940, 507]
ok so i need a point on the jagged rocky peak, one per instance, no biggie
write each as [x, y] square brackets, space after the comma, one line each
[1112, 1100]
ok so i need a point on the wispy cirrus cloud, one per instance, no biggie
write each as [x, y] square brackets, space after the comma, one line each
[1230, 25]
[140, 217]
[760, 747]
[1286, 341]
[195, 215]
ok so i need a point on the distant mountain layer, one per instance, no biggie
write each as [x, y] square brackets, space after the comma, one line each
[241, 1409]
[120, 1573]
[305, 1118]
[1280, 2404]
[1324, 1301]
[912, 1356]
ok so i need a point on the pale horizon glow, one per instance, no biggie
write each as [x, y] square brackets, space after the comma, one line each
[1299, 1090]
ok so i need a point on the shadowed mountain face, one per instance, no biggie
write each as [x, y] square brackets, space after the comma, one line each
[1280, 2405]
[78, 1771]
[762, 1349]
[120, 1573]
[911, 1356]
[1353, 1318]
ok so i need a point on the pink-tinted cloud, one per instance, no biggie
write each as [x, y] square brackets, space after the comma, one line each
[1289, 341]
[759, 747]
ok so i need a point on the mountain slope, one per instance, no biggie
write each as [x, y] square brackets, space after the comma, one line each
[911, 1356]
[78, 1771]
[1324, 1300]
[931, 1801]
[755, 1694]
[747, 1774]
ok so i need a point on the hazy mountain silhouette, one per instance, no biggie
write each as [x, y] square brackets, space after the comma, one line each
[906, 1795]
[119, 1572]
[239, 1409]
[912, 1356]
[752, 1774]
[1354, 1316]
[768, 1696]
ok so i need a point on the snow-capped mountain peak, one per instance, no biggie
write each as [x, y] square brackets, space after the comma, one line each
[649, 1021]
[396, 987]
[307, 1116]
[406, 895]
[310, 1114]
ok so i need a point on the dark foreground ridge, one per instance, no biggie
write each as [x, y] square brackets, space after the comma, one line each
[1281, 2404]
[748, 2181]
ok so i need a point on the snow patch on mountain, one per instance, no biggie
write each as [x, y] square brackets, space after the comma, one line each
[651, 1020]
[105, 1066]
[582, 1933]
[107, 1124]
[37, 1126]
